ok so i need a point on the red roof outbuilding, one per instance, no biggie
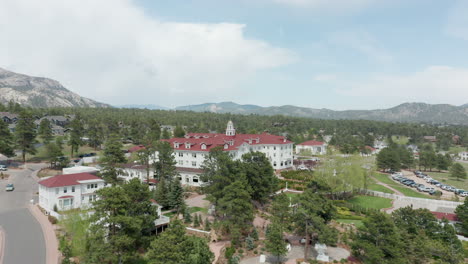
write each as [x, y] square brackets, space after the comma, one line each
[67, 180]
[449, 216]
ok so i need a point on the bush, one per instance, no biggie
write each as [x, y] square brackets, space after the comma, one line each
[229, 252]
[55, 208]
[53, 220]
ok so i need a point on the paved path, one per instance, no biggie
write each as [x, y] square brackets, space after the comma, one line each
[388, 186]
[23, 238]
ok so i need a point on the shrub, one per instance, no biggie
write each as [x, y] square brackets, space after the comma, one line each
[53, 220]
[55, 208]
[229, 252]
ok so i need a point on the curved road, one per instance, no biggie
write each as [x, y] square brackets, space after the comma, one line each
[23, 237]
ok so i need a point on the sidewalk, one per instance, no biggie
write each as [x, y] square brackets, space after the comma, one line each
[2, 244]
[52, 252]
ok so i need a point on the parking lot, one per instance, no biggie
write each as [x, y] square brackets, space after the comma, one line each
[446, 195]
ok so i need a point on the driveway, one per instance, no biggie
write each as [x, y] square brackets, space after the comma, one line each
[23, 237]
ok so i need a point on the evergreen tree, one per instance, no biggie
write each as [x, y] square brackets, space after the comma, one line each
[378, 241]
[275, 243]
[165, 166]
[162, 194]
[45, 130]
[462, 214]
[207, 225]
[76, 133]
[196, 222]
[281, 212]
[442, 162]
[458, 171]
[165, 134]
[428, 159]
[219, 171]
[25, 134]
[95, 133]
[154, 133]
[142, 210]
[113, 155]
[176, 196]
[187, 216]
[173, 246]
[112, 232]
[6, 140]
[179, 132]
[235, 208]
[314, 212]
[260, 177]
[55, 156]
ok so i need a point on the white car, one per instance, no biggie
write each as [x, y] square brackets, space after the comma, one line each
[10, 187]
[3, 168]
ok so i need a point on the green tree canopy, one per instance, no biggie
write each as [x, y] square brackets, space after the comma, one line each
[6, 140]
[45, 130]
[458, 171]
[259, 173]
[25, 134]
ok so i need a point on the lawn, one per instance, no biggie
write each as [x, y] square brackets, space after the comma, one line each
[400, 140]
[384, 178]
[357, 223]
[192, 210]
[379, 188]
[41, 153]
[76, 227]
[371, 202]
[411, 192]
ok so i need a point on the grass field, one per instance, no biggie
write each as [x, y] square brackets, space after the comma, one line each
[371, 202]
[357, 223]
[400, 140]
[378, 188]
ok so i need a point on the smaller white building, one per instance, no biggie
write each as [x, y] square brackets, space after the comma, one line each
[463, 155]
[190, 176]
[80, 169]
[68, 191]
[312, 146]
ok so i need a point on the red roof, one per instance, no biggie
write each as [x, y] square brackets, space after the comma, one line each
[136, 148]
[152, 181]
[67, 179]
[370, 148]
[448, 216]
[312, 143]
[184, 169]
[66, 196]
[195, 141]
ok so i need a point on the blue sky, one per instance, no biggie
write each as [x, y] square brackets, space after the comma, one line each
[338, 54]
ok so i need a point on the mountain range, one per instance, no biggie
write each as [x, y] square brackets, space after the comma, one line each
[39, 92]
[407, 112]
[45, 92]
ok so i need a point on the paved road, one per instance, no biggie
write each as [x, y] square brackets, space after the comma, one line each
[24, 240]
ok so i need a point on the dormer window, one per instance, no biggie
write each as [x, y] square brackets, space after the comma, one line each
[203, 146]
[187, 145]
[226, 146]
[176, 144]
[257, 140]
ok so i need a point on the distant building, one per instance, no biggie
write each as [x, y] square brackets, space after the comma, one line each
[430, 138]
[190, 151]
[8, 117]
[379, 145]
[463, 155]
[315, 147]
[69, 191]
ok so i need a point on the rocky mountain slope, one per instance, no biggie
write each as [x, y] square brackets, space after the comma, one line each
[407, 112]
[39, 92]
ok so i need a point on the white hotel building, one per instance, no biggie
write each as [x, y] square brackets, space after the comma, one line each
[191, 150]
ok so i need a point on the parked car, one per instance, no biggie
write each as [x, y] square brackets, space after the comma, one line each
[464, 194]
[3, 168]
[9, 187]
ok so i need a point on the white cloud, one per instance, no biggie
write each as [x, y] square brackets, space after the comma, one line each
[434, 84]
[110, 50]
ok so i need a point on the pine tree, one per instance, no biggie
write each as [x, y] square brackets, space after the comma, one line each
[176, 196]
[76, 134]
[165, 134]
[179, 132]
[200, 220]
[113, 155]
[6, 140]
[207, 225]
[165, 166]
[275, 243]
[187, 216]
[196, 222]
[45, 131]
[458, 171]
[162, 194]
[25, 134]
[259, 173]
[235, 207]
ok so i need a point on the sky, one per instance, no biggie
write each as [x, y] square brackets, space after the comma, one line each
[336, 54]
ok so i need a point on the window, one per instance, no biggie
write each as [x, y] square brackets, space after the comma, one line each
[95, 185]
[66, 202]
[203, 146]
[65, 190]
[181, 162]
[73, 188]
[194, 155]
[195, 179]
[274, 148]
[181, 154]
[88, 186]
[57, 190]
[194, 163]
[82, 198]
